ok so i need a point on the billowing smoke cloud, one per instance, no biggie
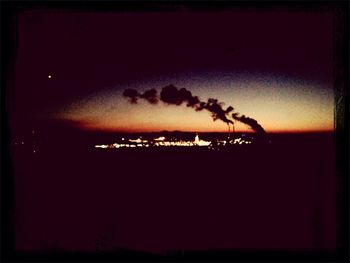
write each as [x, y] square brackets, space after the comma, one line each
[250, 122]
[215, 107]
[172, 95]
[134, 95]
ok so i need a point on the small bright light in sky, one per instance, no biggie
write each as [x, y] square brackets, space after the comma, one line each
[49, 76]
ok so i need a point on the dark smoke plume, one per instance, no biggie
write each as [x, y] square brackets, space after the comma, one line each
[215, 107]
[150, 96]
[134, 95]
[172, 95]
[250, 122]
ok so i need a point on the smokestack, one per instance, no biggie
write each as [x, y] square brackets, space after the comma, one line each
[229, 133]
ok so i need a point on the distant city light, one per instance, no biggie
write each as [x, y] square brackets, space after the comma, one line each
[163, 142]
[101, 146]
[137, 140]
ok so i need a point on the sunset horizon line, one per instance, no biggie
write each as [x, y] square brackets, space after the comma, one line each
[111, 130]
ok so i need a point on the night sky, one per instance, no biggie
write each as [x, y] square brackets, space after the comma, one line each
[273, 66]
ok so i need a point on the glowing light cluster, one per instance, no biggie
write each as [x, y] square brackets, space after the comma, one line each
[101, 146]
[163, 142]
[240, 141]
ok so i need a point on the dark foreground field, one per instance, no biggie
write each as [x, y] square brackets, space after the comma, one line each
[279, 196]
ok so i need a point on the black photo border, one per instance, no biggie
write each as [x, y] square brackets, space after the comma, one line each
[340, 9]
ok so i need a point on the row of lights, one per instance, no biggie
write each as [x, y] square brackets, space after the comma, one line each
[161, 142]
[121, 145]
